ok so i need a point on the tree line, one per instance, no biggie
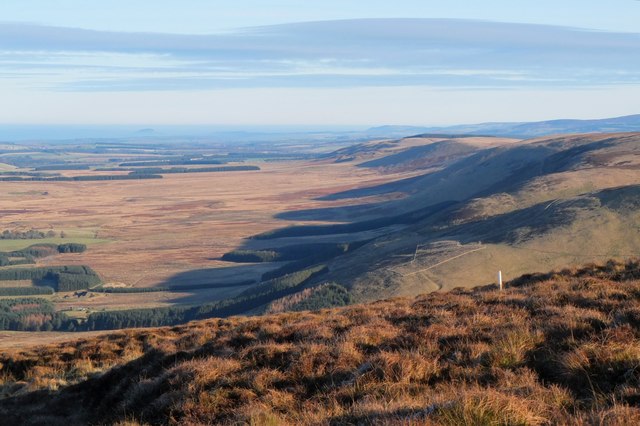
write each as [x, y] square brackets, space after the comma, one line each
[178, 162]
[32, 314]
[60, 278]
[28, 255]
[130, 176]
[183, 287]
[245, 301]
[38, 314]
[31, 234]
[26, 291]
[159, 170]
[327, 295]
[62, 167]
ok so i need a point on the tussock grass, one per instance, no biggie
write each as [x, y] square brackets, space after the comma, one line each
[557, 348]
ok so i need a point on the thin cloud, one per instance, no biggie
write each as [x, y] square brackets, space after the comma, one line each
[350, 53]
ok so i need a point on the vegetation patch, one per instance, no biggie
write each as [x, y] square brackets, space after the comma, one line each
[327, 295]
[30, 314]
[61, 278]
[31, 234]
[29, 254]
[26, 291]
[62, 167]
[85, 178]
[245, 301]
[20, 245]
[172, 162]
[157, 171]
[173, 288]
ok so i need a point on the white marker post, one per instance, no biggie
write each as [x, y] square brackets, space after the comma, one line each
[500, 280]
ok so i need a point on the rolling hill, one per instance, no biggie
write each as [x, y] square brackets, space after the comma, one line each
[554, 348]
[475, 206]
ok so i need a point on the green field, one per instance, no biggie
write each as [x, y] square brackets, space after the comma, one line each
[13, 245]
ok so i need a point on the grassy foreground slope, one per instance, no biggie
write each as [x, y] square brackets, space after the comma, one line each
[558, 348]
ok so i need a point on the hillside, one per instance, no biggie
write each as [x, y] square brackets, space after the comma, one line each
[474, 206]
[425, 152]
[561, 348]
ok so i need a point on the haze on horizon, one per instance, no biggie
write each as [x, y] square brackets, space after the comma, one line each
[330, 64]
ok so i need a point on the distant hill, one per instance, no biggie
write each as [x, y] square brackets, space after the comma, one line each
[145, 132]
[320, 138]
[556, 348]
[630, 123]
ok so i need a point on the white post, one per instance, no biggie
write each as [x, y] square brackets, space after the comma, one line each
[415, 255]
[500, 280]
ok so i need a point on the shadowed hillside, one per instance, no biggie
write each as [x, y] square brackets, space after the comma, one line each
[481, 205]
[561, 348]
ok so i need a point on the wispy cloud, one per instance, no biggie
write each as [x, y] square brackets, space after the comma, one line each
[351, 53]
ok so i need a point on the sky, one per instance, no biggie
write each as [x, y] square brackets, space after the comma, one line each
[331, 63]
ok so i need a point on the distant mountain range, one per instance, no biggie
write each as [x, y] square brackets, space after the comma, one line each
[250, 134]
[629, 123]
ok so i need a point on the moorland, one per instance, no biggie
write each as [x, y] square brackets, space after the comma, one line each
[105, 234]
[555, 348]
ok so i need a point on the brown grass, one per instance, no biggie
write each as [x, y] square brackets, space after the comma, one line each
[159, 229]
[559, 348]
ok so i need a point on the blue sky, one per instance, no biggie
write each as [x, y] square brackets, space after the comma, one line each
[358, 63]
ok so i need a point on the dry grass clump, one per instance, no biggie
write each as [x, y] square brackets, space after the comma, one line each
[559, 348]
[487, 407]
